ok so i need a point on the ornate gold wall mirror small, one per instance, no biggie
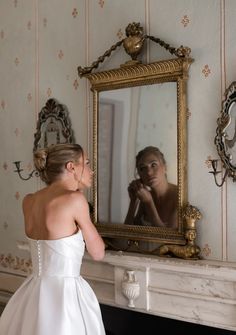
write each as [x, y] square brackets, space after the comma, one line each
[53, 125]
[136, 106]
[225, 139]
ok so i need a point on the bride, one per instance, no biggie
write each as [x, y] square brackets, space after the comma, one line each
[55, 299]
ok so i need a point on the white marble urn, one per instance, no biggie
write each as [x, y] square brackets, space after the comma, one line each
[130, 287]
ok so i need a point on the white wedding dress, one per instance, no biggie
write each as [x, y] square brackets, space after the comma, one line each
[54, 299]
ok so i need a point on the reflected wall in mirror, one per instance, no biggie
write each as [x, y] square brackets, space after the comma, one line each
[225, 139]
[53, 126]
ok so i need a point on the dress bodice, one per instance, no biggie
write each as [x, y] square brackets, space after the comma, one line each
[55, 298]
[61, 257]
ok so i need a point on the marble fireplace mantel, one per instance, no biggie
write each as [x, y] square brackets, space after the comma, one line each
[202, 292]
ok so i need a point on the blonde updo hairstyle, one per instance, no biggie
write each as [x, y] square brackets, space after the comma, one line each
[51, 162]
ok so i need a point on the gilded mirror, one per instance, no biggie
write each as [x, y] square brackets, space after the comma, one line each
[137, 106]
[225, 139]
[53, 125]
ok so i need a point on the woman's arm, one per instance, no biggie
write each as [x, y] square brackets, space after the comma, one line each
[150, 211]
[134, 202]
[93, 241]
[152, 215]
[133, 205]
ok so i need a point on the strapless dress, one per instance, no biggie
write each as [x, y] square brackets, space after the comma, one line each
[54, 299]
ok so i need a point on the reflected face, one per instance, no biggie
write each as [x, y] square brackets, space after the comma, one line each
[151, 169]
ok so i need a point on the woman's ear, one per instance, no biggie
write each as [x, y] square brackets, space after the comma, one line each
[70, 166]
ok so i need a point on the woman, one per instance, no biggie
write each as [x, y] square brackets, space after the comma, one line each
[55, 299]
[153, 200]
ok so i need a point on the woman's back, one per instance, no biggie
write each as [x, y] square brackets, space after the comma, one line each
[49, 214]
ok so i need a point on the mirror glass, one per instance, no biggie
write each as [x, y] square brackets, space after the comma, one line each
[130, 119]
[230, 135]
[52, 133]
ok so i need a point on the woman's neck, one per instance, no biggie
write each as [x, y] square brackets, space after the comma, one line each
[161, 189]
[64, 184]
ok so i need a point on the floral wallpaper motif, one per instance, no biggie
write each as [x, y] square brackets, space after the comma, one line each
[76, 84]
[17, 195]
[29, 97]
[49, 92]
[185, 21]
[5, 166]
[75, 13]
[60, 54]
[206, 70]
[3, 104]
[206, 250]
[188, 114]
[101, 3]
[45, 21]
[16, 61]
[120, 34]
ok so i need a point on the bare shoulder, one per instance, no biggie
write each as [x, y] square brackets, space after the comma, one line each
[27, 199]
[78, 202]
[173, 189]
[78, 198]
[173, 196]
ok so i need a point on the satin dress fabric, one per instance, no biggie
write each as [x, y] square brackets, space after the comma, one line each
[54, 299]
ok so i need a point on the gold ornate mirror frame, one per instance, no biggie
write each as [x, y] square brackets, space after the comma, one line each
[172, 242]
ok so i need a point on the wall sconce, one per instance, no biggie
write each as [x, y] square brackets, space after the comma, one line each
[19, 170]
[214, 164]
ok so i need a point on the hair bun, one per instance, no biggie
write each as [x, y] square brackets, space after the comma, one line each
[40, 159]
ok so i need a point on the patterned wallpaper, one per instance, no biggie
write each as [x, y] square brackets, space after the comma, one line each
[41, 44]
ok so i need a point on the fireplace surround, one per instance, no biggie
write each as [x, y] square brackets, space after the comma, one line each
[119, 321]
[198, 292]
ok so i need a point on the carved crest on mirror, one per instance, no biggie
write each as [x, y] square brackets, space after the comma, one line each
[53, 125]
[134, 106]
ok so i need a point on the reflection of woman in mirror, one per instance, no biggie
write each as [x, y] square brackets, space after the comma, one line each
[153, 200]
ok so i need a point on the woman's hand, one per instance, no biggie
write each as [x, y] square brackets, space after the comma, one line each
[132, 190]
[137, 190]
[144, 195]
